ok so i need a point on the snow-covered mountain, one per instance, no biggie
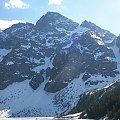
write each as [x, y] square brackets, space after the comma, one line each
[44, 68]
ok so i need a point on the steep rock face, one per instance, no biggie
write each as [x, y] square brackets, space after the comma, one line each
[96, 56]
[13, 66]
[55, 22]
[107, 36]
[56, 60]
[36, 80]
[31, 50]
[12, 36]
[118, 43]
[86, 55]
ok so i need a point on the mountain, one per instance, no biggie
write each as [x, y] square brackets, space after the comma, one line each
[45, 68]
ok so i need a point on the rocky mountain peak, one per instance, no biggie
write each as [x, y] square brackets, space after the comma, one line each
[19, 26]
[104, 34]
[53, 21]
[91, 26]
[87, 24]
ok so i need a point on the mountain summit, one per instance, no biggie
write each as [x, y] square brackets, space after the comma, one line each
[52, 21]
[104, 34]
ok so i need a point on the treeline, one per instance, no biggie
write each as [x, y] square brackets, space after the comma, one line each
[104, 103]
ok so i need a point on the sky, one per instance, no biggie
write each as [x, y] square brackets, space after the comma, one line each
[104, 13]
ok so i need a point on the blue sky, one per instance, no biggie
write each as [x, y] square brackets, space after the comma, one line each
[104, 13]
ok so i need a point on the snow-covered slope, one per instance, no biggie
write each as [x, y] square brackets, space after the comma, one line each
[20, 100]
[44, 70]
[67, 117]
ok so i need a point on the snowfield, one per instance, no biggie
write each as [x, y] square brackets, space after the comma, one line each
[21, 99]
[68, 117]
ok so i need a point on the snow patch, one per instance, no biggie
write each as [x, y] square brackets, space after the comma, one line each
[80, 30]
[98, 55]
[3, 53]
[25, 46]
[37, 69]
[10, 63]
[68, 45]
[60, 29]
[109, 41]
[98, 39]
[48, 63]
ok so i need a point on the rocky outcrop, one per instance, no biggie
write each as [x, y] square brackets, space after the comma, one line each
[118, 43]
[55, 22]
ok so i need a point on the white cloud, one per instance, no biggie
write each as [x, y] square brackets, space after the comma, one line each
[16, 4]
[6, 24]
[55, 2]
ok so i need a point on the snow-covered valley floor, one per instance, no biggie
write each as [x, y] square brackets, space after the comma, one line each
[68, 117]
